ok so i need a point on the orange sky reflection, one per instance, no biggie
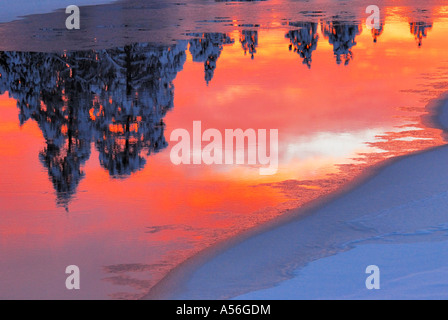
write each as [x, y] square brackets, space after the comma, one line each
[327, 116]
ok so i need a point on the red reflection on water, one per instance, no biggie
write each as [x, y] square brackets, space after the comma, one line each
[132, 231]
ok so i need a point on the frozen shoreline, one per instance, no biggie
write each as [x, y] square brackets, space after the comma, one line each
[421, 275]
[403, 205]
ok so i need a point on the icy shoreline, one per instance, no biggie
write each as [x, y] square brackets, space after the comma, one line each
[403, 205]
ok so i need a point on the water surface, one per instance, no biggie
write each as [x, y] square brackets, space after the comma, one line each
[85, 134]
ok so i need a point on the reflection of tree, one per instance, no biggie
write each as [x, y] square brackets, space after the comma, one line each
[420, 30]
[420, 22]
[342, 36]
[376, 33]
[207, 47]
[63, 164]
[128, 117]
[304, 40]
[249, 42]
[114, 98]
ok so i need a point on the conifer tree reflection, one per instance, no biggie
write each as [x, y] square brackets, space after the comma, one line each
[116, 99]
[304, 40]
[376, 33]
[128, 116]
[207, 48]
[249, 42]
[342, 36]
[420, 22]
[46, 92]
[420, 30]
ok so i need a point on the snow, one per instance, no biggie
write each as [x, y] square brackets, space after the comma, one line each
[422, 275]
